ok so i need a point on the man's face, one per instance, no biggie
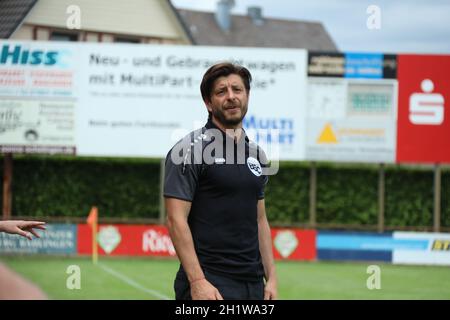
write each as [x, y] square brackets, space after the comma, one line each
[229, 100]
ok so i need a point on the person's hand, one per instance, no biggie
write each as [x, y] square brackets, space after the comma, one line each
[22, 228]
[204, 290]
[270, 289]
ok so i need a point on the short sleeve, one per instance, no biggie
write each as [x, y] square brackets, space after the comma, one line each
[265, 178]
[183, 167]
[180, 180]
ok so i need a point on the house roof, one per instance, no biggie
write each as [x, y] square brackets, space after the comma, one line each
[244, 33]
[182, 22]
[12, 13]
[202, 29]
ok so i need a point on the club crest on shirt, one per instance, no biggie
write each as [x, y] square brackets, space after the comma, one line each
[254, 166]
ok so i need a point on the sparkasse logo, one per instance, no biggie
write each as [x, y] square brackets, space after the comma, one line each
[17, 55]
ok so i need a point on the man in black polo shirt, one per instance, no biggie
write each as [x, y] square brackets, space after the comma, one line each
[214, 197]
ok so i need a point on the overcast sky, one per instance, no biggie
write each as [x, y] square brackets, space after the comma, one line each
[413, 26]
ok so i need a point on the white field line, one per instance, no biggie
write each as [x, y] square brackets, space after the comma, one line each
[133, 283]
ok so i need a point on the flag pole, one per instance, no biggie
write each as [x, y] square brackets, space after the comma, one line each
[94, 242]
[92, 222]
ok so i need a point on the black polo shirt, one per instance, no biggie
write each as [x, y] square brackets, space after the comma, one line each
[224, 190]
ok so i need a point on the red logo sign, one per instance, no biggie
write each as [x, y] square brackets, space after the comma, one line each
[127, 240]
[423, 133]
[154, 240]
[294, 244]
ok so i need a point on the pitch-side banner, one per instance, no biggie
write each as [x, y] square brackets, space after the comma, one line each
[138, 100]
[294, 244]
[351, 107]
[154, 240]
[429, 248]
[57, 239]
[132, 240]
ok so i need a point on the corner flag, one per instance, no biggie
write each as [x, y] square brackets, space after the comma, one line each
[92, 222]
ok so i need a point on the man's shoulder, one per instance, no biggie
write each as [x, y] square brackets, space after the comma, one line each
[189, 139]
[191, 144]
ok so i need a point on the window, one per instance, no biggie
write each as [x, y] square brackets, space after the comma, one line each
[63, 36]
[127, 40]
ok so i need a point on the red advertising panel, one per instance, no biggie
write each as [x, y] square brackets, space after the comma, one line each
[154, 240]
[423, 133]
[294, 244]
[128, 240]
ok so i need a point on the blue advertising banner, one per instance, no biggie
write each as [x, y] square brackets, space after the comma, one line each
[363, 241]
[362, 65]
[418, 248]
[360, 246]
[57, 239]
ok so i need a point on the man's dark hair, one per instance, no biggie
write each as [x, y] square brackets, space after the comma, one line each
[223, 69]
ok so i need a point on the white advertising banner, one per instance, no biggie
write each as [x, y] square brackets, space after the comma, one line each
[38, 98]
[428, 249]
[351, 120]
[137, 100]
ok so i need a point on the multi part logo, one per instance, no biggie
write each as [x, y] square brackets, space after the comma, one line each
[270, 130]
[17, 55]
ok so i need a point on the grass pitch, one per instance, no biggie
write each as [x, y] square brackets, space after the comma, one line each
[145, 278]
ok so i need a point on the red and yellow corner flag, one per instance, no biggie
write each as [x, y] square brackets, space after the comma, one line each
[92, 222]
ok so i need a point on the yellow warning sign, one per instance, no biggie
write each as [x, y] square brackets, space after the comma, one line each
[327, 135]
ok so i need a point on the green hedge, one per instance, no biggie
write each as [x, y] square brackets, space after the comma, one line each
[70, 186]
[287, 194]
[409, 198]
[129, 188]
[445, 218]
[347, 195]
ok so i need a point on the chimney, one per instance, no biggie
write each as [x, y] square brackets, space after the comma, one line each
[223, 14]
[255, 13]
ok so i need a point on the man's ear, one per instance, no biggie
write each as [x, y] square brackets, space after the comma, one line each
[208, 106]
